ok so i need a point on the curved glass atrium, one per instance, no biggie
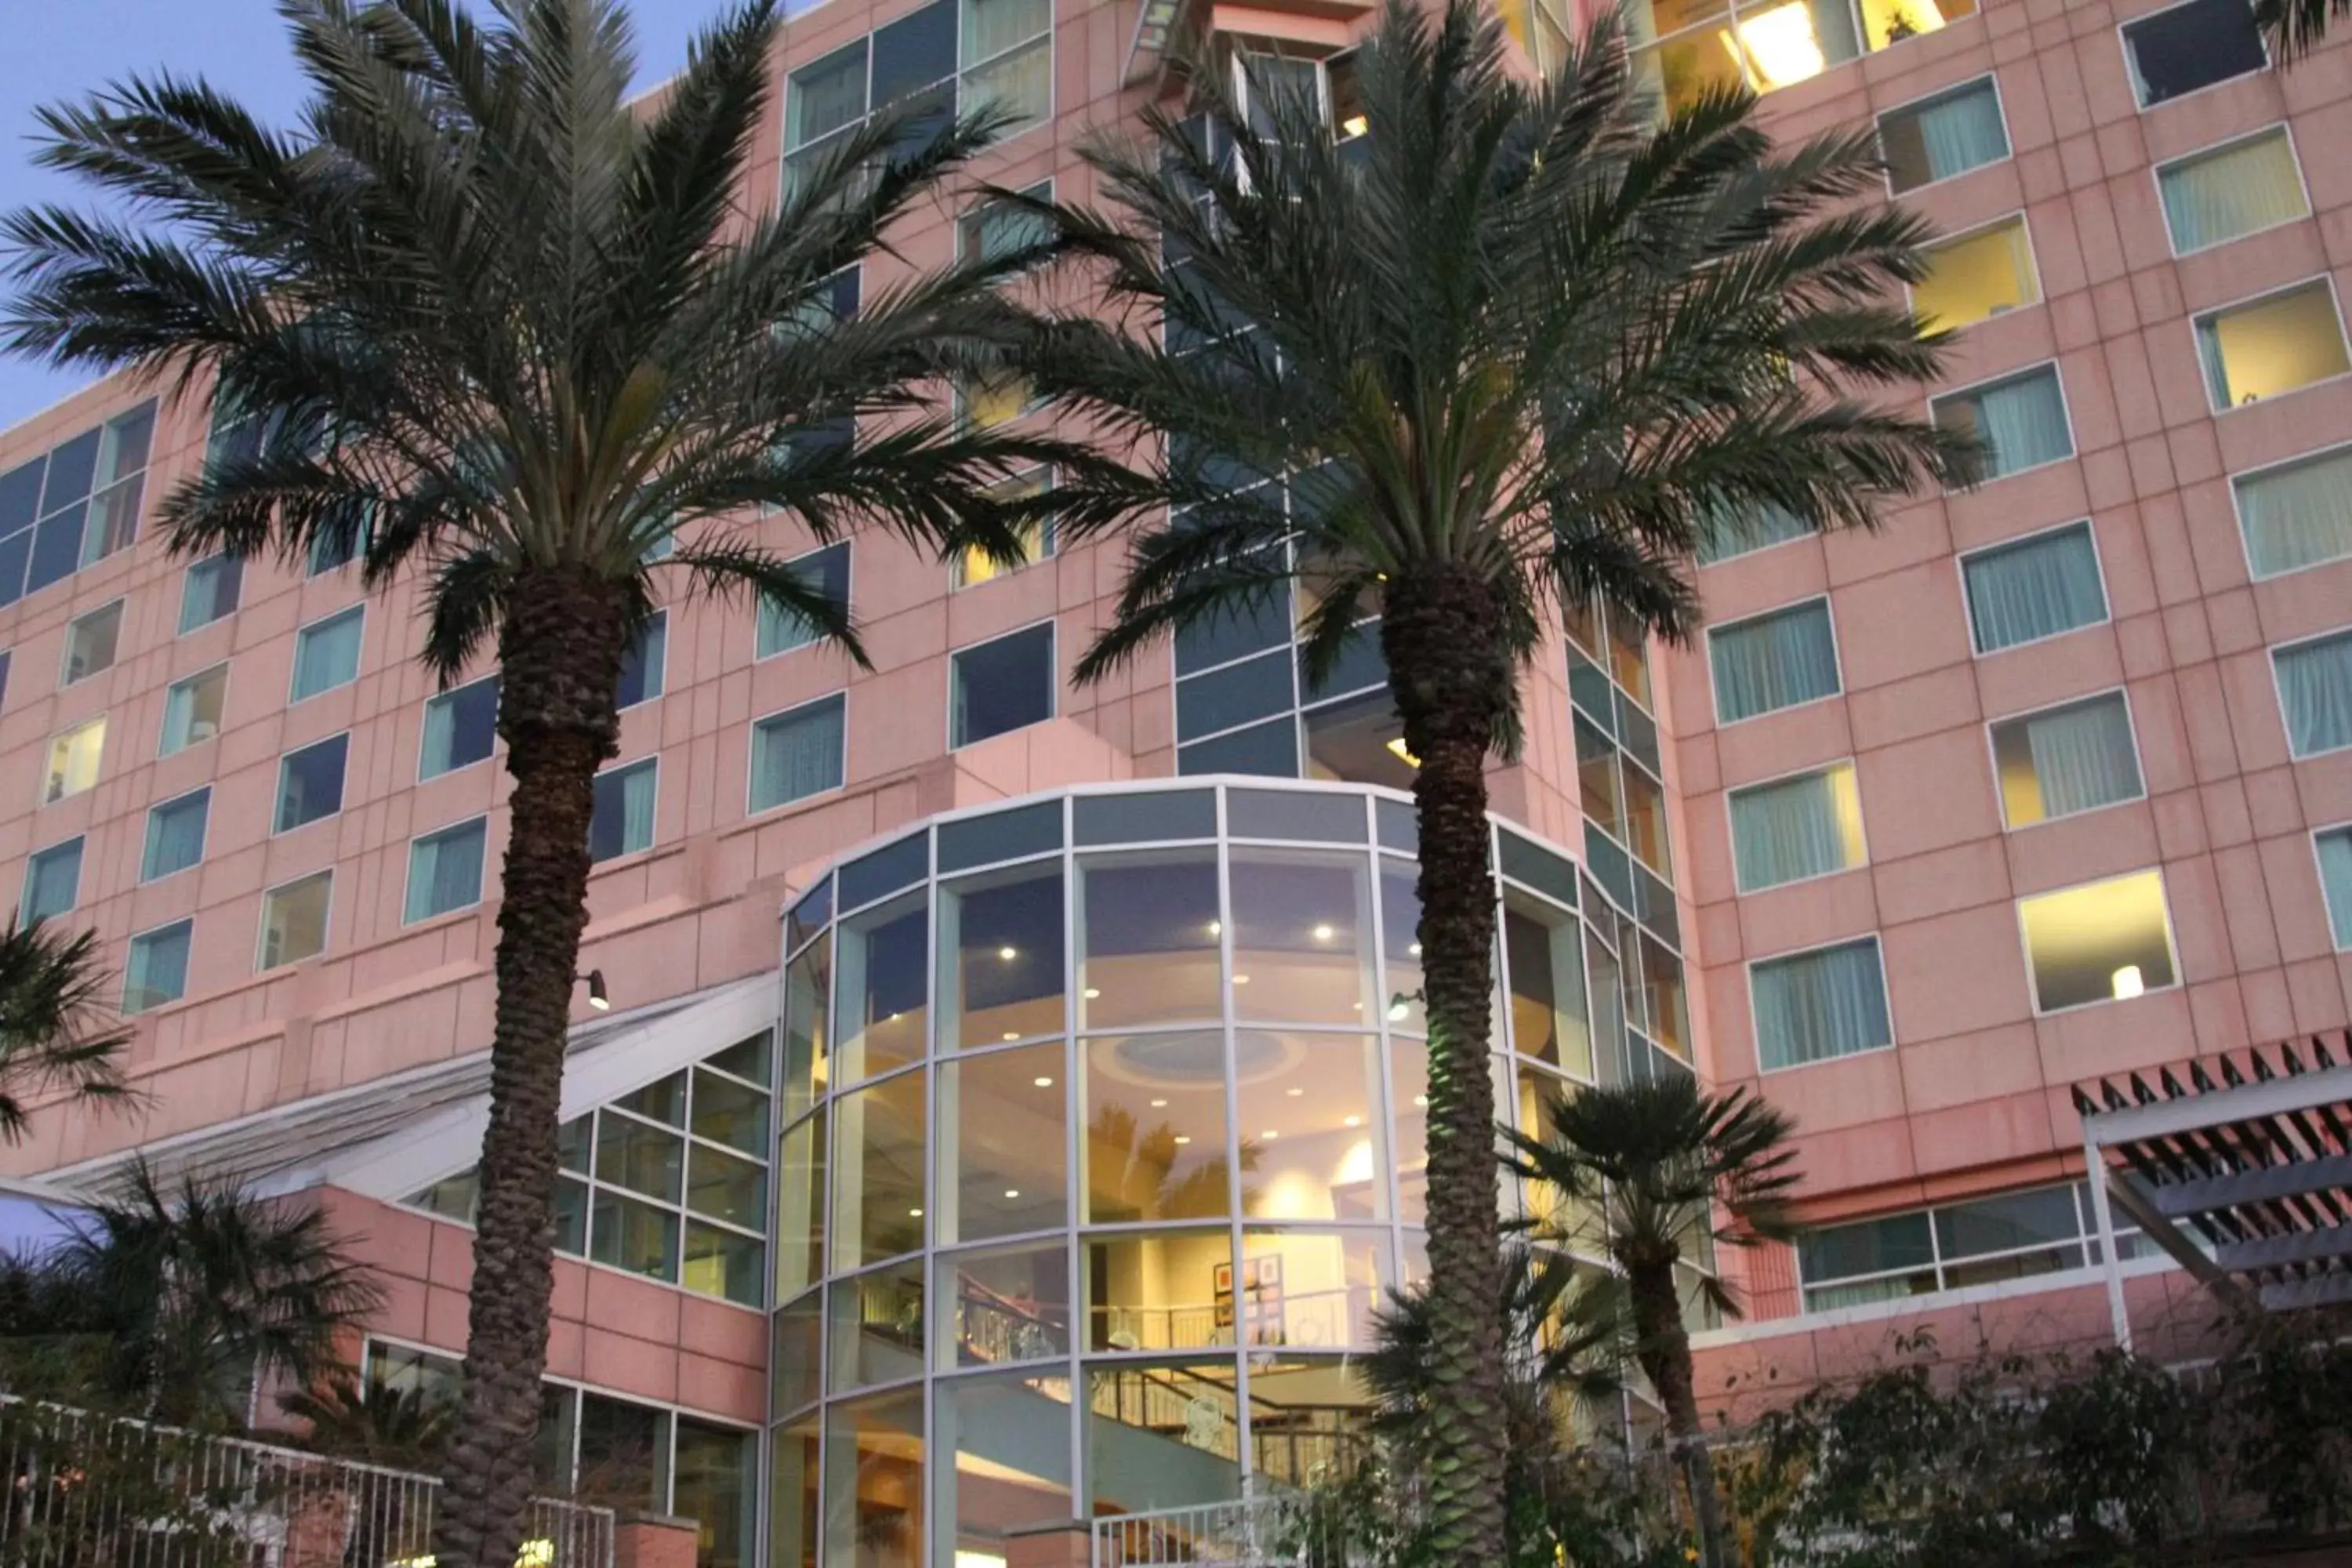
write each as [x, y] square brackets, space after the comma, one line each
[1102, 1138]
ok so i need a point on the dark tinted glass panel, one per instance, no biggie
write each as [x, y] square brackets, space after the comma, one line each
[1539, 869]
[1224, 638]
[1004, 685]
[2193, 46]
[1144, 819]
[20, 495]
[914, 51]
[71, 467]
[1270, 750]
[310, 783]
[1233, 696]
[1360, 665]
[885, 870]
[1290, 814]
[1004, 836]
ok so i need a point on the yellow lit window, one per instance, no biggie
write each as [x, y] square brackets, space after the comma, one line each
[2106, 941]
[1977, 275]
[1886, 22]
[972, 566]
[2269, 347]
[992, 401]
[73, 759]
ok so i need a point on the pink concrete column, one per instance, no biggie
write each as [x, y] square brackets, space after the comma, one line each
[652, 1541]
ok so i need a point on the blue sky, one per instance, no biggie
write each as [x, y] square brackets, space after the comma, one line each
[65, 49]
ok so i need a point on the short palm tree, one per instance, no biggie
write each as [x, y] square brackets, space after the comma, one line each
[1518, 347]
[1647, 1176]
[55, 1037]
[505, 330]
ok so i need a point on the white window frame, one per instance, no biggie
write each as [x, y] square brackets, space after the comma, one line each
[1054, 669]
[409, 869]
[24, 885]
[1878, 122]
[1992, 755]
[1053, 47]
[2294, 155]
[2032, 263]
[1877, 940]
[2171, 940]
[2238, 512]
[2196, 318]
[204, 839]
[1837, 658]
[759, 603]
[359, 664]
[651, 844]
[163, 731]
[2278, 693]
[104, 720]
[1731, 833]
[277, 793]
[327, 922]
[64, 654]
[1961, 559]
[752, 808]
[2131, 67]
[424, 711]
[661, 618]
[137, 937]
[2326, 905]
[2018, 372]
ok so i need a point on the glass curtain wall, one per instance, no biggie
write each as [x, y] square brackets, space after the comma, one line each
[1103, 1139]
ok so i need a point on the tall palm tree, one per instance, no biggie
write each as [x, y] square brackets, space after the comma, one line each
[1519, 346]
[502, 329]
[173, 1300]
[56, 1038]
[2296, 27]
[1648, 1174]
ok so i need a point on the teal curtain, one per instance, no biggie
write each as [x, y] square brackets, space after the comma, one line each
[2036, 588]
[2336, 877]
[52, 882]
[1786, 831]
[1775, 660]
[2214, 198]
[2297, 516]
[637, 808]
[797, 755]
[2082, 756]
[210, 591]
[2216, 365]
[1748, 530]
[157, 971]
[327, 654]
[445, 871]
[2315, 683]
[175, 834]
[1963, 132]
[1811, 1007]
[2022, 423]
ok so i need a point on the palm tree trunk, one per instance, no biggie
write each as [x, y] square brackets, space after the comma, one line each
[1665, 1357]
[1451, 678]
[559, 656]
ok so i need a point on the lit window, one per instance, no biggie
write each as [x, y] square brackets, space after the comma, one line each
[2335, 848]
[175, 834]
[1812, 1006]
[191, 708]
[1008, 61]
[2298, 514]
[92, 642]
[310, 783]
[1001, 685]
[825, 573]
[1942, 136]
[74, 758]
[985, 401]
[2074, 758]
[294, 920]
[444, 870]
[2315, 683]
[2104, 942]
[2188, 46]
[2029, 589]
[460, 727]
[797, 754]
[1358, 738]
[157, 971]
[210, 591]
[2271, 346]
[1684, 47]
[326, 653]
[1976, 276]
[52, 881]
[622, 822]
[2222, 193]
[972, 565]
[2021, 420]
[645, 663]
[1771, 661]
[1791, 829]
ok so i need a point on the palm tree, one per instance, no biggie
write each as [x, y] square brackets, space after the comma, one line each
[170, 1302]
[2296, 27]
[1518, 347]
[1647, 1174]
[486, 319]
[55, 1036]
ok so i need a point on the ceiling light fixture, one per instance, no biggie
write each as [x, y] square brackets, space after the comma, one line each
[1322, 933]
[1183, 1139]
[1093, 995]
[1351, 1121]
[1159, 1105]
[1294, 1092]
[1042, 1082]
[1008, 953]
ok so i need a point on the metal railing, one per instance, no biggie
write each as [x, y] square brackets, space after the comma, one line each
[1271, 1529]
[84, 1490]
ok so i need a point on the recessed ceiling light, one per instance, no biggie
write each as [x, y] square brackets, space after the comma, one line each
[1351, 1121]
[914, 1213]
[1270, 1134]
[1008, 953]
[1042, 1082]
[1013, 1191]
[1092, 994]
[1158, 1104]
[1294, 1091]
[1183, 1138]
[1241, 979]
[1322, 933]
[1011, 1035]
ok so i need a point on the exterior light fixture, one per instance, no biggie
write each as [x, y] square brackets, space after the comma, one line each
[598, 997]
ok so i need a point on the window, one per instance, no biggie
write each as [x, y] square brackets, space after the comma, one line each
[2102, 941]
[2022, 420]
[645, 662]
[1001, 685]
[334, 546]
[2009, 1236]
[2073, 758]
[622, 821]
[52, 881]
[74, 757]
[2033, 588]
[294, 920]
[74, 505]
[1811, 1007]
[2191, 45]
[2335, 848]
[2220, 194]
[191, 708]
[972, 566]
[1942, 136]
[1686, 47]
[444, 870]
[1793, 828]
[1772, 661]
[1758, 528]
[998, 228]
[460, 728]
[210, 591]
[992, 57]
[797, 754]
[2315, 683]
[2298, 514]
[2271, 346]
[825, 573]
[1976, 275]
[326, 653]
[175, 834]
[157, 971]
[92, 642]
[310, 783]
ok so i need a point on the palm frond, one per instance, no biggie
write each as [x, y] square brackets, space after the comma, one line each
[56, 1036]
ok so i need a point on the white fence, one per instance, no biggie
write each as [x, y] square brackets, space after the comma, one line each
[1269, 1531]
[90, 1491]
